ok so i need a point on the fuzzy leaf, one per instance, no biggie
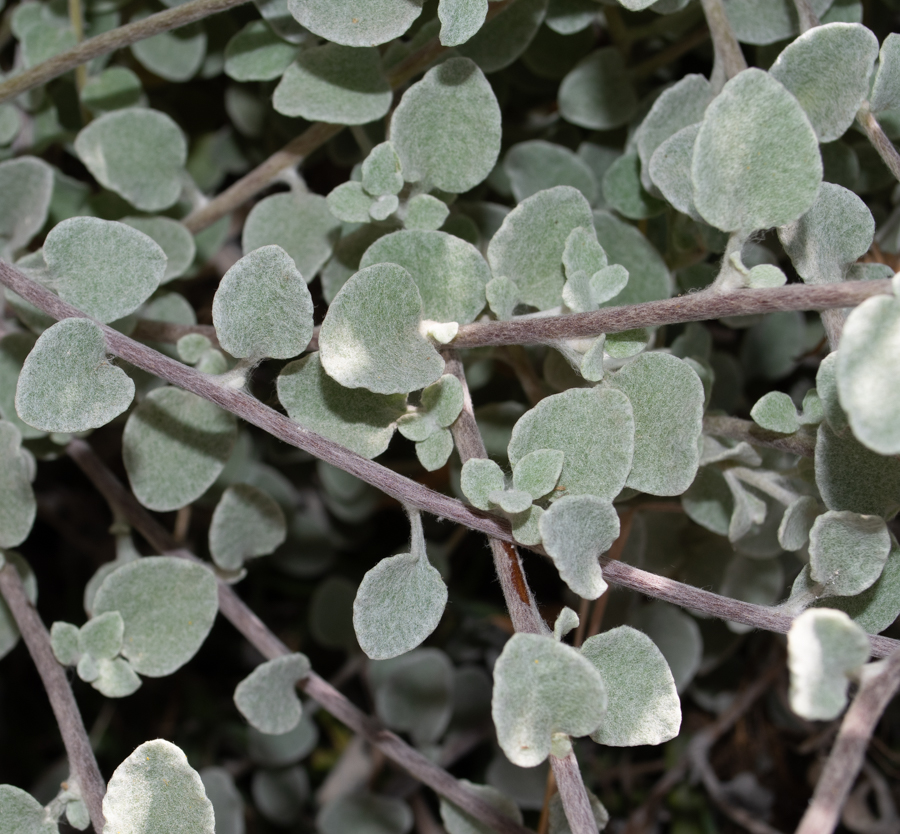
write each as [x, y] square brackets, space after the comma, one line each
[350, 202]
[886, 87]
[457, 821]
[537, 165]
[827, 69]
[67, 384]
[301, 224]
[138, 153]
[852, 477]
[285, 748]
[101, 636]
[168, 605]
[575, 531]
[443, 401]
[112, 89]
[18, 507]
[629, 342]
[542, 687]
[867, 370]
[116, 678]
[828, 238]
[247, 522]
[511, 501]
[425, 213]
[847, 551]
[226, 799]
[26, 186]
[14, 349]
[267, 697]
[643, 706]
[756, 159]
[64, 642]
[175, 55]
[677, 636]
[451, 274]
[669, 169]
[708, 501]
[365, 814]
[9, 632]
[776, 412]
[358, 419]
[667, 400]
[334, 84]
[593, 428]
[460, 19]
[106, 269]
[357, 22]
[623, 190]
[793, 531]
[538, 472]
[505, 37]
[172, 237]
[21, 813]
[767, 21]
[566, 621]
[280, 795]
[827, 389]
[155, 789]
[435, 450]
[400, 601]
[529, 245]
[446, 129]
[823, 647]
[381, 174]
[597, 93]
[370, 337]
[480, 478]
[414, 693]
[174, 446]
[262, 307]
[256, 53]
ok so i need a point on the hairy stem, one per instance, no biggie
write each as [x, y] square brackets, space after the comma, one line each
[573, 794]
[71, 726]
[405, 490]
[808, 18]
[728, 55]
[700, 306]
[123, 502]
[879, 140]
[110, 41]
[848, 753]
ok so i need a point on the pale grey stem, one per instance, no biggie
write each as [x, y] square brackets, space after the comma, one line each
[110, 41]
[833, 322]
[848, 753]
[727, 49]
[573, 794]
[405, 490]
[879, 140]
[519, 599]
[808, 18]
[269, 646]
[700, 306]
[71, 726]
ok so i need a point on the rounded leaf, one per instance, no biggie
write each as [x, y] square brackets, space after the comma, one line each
[593, 428]
[446, 129]
[776, 412]
[538, 472]
[334, 84]
[175, 55]
[174, 446]
[155, 789]
[21, 813]
[101, 636]
[370, 337]
[460, 19]
[168, 606]
[506, 36]
[677, 636]
[138, 153]
[535, 165]
[542, 687]
[767, 21]
[450, 273]
[756, 159]
[262, 307]
[106, 269]
[642, 704]
[174, 239]
[247, 522]
[112, 89]
[14, 350]
[226, 799]
[597, 93]
[9, 631]
[256, 53]
[67, 384]
[886, 87]
[847, 551]
[267, 697]
[356, 22]
[18, 506]
[26, 186]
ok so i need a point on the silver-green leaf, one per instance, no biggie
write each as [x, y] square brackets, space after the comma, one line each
[847, 551]
[18, 507]
[246, 523]
[267, 697]
[356, 22]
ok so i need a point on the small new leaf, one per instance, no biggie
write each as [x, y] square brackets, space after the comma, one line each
[267, 697]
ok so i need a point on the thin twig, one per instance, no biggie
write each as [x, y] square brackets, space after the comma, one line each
[700, 306]
[664, 57]
[807, 17]
[879, 140]
[848, 753]
[728, 53]
[110, 41]
[801, 443]
[573, 794]
[403, 489]
[270, 647]
[62, 700]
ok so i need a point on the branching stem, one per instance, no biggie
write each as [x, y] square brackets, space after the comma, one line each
[71, 726]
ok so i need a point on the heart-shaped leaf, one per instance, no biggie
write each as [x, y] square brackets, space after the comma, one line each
[174, 239]
[138, 153]
[481, 478]
[168, 605]
[756, 159]
[101, 636]
[334, 84]
[267, 697]
[593, 428]
[175, 55]
[824, 646]
[575, 530]
[106, 269]
[67, 384]
[370, 337]
[359, 22]
[155, 789]
[21, 813]
[262, 307]
[776, 412]
[446, 129]
[542, 687]
[642, 704]
[246, 523]
[116, 678]
[538, 472]
[257, 53]
[18, 507]
[400, 601]
[847, 551]
[597, 93]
